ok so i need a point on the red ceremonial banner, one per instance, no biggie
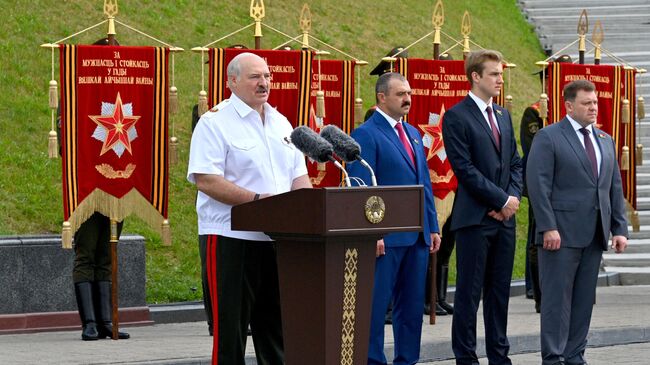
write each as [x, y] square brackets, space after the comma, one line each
[290, 80]
[337, 81]
[436, 86]
[114, 132]
[613, 84]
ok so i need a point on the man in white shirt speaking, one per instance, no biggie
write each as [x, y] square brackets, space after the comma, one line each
[238, 154]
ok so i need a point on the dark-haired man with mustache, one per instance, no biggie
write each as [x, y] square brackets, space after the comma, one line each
[395, 151]
[239, 154]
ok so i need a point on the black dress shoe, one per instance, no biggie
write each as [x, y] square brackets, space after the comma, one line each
[446, 306]
[559, 363]
[530, 294]
[440, 311]
[538, 307]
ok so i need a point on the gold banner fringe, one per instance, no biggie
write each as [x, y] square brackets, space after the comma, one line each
[118, 209]
[444, 207]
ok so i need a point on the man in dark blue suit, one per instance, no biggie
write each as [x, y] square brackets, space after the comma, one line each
[481, 148]
[395, 151]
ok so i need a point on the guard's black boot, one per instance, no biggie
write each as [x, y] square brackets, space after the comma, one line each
[104, 312]
[443, 275]
[84, 293]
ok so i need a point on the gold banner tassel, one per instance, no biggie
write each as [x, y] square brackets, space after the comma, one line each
[509, 103]
[543, 105]
[625, 119]
[66, 235]
[166, 233]
[625, 112]
[640, 108]
[358, 111]
[173, 151]
[636, 225]
[54, 95]
[320, 104]
[173, 100]
[52, 143]
[203, 102]
[639, 154]
[625, 158]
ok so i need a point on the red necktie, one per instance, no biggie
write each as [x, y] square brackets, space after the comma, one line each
[405, 141]
[591, 153]
[495, 130]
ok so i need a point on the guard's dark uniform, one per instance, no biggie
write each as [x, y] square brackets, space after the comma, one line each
[91, 272]
[531, 122]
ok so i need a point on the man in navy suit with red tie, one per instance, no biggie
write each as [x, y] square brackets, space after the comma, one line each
[482, 151]
[394, 150]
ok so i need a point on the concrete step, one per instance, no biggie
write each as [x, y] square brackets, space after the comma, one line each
[638, 246]
[585, 4]
[627, 259]
[631, 275]
[642, 180]
[643, 234]
[642, 194]
[605, 10]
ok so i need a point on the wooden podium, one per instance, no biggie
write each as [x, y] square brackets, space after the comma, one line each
[326, 242]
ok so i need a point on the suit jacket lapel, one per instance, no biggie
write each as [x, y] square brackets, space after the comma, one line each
[384, 127]
[577, 146]
[478, 115]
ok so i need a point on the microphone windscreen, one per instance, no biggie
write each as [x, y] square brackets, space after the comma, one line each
[344, 146]
[311, 144]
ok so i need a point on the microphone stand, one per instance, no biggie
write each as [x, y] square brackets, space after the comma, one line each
[372, 173]
[340, 167]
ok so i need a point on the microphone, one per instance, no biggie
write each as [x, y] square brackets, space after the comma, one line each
[316, 148]
[346, 147]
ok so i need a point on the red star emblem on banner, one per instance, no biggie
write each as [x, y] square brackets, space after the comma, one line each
[434, 131]
[116, 126]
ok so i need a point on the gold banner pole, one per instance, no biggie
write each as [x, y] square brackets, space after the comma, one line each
[583, 28]
[114, 291]
[466, 30]
[257, 12]
[597, 37]
[438, 19]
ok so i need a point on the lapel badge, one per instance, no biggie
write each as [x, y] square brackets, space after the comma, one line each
[601, 135]
[499, 111]
[416, 141]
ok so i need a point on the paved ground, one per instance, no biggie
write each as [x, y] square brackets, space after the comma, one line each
[621, 316]
[634, 354]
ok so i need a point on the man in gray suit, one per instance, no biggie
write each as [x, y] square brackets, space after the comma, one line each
[574, 186]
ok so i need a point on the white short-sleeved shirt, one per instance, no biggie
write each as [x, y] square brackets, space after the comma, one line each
[234, 143]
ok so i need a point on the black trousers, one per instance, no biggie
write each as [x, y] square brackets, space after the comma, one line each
[243, 279]
[207, 300]
[92, 260]
[484, 260]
